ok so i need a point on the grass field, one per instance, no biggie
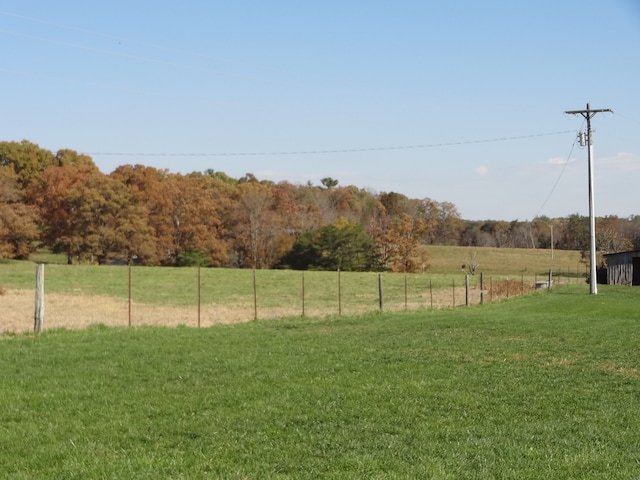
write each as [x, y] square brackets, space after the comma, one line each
[81, 295]
[546, 385]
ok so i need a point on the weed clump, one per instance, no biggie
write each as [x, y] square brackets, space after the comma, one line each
[510, 288]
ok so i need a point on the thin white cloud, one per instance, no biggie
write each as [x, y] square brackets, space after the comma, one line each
[558, 161]
[623, 161]
[482, 170]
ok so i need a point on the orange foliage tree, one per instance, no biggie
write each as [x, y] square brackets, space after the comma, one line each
[18, 221]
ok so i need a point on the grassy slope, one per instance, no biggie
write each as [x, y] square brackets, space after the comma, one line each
[544, 385]
[506, 261]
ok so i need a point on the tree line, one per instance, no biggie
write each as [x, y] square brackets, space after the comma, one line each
[144, 215]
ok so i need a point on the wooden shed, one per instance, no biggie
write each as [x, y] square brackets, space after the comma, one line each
[623, 268]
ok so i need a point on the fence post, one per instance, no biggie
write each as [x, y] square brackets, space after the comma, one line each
[491, 288]
[380, 292]
[129, 292]
[431, 290]
[453, 284]
[39, 312]
[550, 279]
[199, 295]
[339, 295]
[255, 297]
[406, 292]
[303, 293]
[481, 288]
[466, 289]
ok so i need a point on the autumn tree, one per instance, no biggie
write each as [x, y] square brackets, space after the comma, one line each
[632, 231]
[260, 239]
[378, 226]
[186, 219]
[90, 216]
[18, 221]
[48, 193]
[26, 159]
[395, 204]
[297, 207]
[610, 235]
[107, 224]
[185, 212]
[404, 240]
[74, 159]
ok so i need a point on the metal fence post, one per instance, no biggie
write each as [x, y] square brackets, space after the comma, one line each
[39, 312]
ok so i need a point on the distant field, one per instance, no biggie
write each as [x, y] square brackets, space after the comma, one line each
[542, 386]
[449, 259]
[82, 295]
[507, 261]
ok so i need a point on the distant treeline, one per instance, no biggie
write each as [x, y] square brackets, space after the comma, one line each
[150, 216]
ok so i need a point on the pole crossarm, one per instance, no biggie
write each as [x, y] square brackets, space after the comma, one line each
[588, 112]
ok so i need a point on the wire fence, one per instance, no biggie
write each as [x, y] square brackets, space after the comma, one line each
[77, 297]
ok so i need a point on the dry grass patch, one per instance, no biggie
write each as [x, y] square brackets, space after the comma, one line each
[83, 310]
[75, 312]
[626, 372]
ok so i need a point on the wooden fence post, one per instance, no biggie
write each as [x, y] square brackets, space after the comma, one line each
[39, 313]
[491, 288]
[453, 284]
[431, 290]
[466, 290]
[481, 288]
[380, 292]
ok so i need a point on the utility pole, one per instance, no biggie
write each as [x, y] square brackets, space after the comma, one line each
[588, 114]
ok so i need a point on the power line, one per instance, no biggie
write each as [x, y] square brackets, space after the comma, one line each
[555, 185]
[325, 151]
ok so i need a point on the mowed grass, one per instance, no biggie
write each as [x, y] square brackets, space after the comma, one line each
[542, 386]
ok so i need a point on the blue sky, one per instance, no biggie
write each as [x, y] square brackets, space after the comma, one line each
[404, 96]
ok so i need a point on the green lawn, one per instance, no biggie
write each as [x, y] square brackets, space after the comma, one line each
[546, 385]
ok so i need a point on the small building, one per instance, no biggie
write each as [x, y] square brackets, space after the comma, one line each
[623, 268]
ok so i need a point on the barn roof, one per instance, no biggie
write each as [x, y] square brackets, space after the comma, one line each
[632, 252]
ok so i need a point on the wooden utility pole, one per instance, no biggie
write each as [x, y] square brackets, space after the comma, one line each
[588, 114]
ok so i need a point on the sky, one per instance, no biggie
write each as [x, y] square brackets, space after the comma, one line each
[457, 101]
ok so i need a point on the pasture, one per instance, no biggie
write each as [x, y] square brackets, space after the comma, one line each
[544, 385]
[77, 296]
